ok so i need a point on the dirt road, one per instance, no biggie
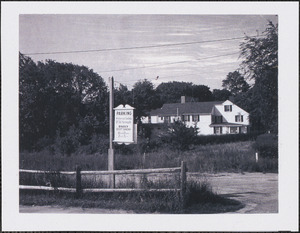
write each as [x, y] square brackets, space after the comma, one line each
[257, 191]
[69, 210]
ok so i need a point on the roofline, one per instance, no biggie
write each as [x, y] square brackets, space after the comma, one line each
[168, 114]
[227, 124]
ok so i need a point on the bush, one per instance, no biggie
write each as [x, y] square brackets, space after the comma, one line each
[267, 145]
[68, 143]
[180, 136]
[99, 143]
[44, 144]
[226, 138]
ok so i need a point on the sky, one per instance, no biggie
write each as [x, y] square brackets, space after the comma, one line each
[206, 62]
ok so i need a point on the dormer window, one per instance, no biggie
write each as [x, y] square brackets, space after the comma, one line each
[239, 118]
[228, 108]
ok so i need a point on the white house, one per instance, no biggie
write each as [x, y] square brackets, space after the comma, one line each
[215, 117]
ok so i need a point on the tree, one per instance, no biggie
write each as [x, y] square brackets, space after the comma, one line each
[144, 98]
[182, 136]
[235, 83]
[72, 94]
[60, 97]
[201, 93]
[260, 53]
[221, 95]
[29, 85]
[122, 95]
[171, 92]
[261, 65]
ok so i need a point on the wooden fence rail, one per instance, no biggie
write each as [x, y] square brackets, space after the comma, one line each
[79, 190]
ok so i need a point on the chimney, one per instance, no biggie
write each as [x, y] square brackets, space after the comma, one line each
[183, 99]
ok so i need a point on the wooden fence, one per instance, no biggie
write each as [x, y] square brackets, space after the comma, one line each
[79, 190]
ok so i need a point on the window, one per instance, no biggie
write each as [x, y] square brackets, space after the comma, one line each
[228, 108]
[234, 130]
[186, 117]
[217, 130]
[196, 118]
[162, 118]
[239, 118]
[167, 119]
[217, 119]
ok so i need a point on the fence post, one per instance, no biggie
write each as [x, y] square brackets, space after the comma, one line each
[183, 183]
[78, 181]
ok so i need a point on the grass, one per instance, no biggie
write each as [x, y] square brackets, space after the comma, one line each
[200, 199]
[228, 157]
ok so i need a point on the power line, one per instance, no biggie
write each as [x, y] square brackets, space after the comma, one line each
[170, 63]
[137, 47]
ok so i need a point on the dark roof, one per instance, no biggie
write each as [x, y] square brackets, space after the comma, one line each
[226, 124]
[186, 108]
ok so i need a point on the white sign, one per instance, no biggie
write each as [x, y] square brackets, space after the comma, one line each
[124, 127]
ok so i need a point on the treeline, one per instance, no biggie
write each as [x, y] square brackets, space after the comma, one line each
[66, 105]
[59, 101]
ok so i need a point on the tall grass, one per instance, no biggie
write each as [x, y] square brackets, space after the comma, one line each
[200, 199]
[228, 157]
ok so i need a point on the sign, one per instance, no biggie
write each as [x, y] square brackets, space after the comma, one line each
[124, 127]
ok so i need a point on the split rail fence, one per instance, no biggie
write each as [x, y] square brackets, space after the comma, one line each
[79, 190]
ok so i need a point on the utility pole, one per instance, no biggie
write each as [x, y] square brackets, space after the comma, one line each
[111, 158]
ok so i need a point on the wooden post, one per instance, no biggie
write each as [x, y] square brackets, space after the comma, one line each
[183, 183]
[78, 181]
[111, 157]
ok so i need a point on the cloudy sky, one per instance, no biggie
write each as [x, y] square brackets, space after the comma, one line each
[191, 48]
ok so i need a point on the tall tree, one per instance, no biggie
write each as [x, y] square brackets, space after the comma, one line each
[59, 97]
[144, 98]
[171, 92]
[201, 93]
[261, 65]
[235, 83]
[122, 95]
[221, 95]
[29, 86]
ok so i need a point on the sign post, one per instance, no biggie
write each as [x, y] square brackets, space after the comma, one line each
[121, 129]
[111, 156]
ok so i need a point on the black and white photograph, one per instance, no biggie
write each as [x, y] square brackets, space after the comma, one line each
[173, 117]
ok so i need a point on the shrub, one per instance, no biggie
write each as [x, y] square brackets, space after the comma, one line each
[99, 143]
[267, 145]
[44, 144]
[68, 143]
[180, 136]
[226, 138]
